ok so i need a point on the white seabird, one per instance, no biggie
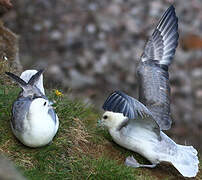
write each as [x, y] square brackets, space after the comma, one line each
[34, 121]
[137, 125]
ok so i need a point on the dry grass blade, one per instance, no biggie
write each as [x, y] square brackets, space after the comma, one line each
[79, 138]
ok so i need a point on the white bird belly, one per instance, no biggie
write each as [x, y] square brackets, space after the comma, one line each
[140, 140]
[39, 130]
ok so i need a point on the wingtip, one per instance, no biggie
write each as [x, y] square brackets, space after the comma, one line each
[41, 70]
[35, 77]
[10, 74]
[7, 73]
[170, 9]
[164, 39]
[172, 6]
[21, 82]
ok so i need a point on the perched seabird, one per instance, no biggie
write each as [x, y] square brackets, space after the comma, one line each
[34, 121]
[137, 125]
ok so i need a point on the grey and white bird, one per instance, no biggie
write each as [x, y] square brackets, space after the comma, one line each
[34, 121]
[138, 125]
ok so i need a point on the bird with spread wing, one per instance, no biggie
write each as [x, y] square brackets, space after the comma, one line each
[137, 125]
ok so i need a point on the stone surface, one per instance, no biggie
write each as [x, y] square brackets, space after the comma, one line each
[8, 171]
[9, 52]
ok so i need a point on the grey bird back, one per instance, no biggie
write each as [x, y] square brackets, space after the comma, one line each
[152, 71]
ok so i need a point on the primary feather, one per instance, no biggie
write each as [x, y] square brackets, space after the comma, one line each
[152, 71]
[122, 103]
[162, 44]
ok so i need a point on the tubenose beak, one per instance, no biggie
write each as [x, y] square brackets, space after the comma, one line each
[100, 123]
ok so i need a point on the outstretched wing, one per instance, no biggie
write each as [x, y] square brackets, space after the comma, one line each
[152, 71]
[162, 44]
[121, 103]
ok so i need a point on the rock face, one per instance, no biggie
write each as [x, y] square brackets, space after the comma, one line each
[8, 171]
[9, 53]
[93, 47]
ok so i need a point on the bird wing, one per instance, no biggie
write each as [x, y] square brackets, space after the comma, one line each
[30, 88]
[28, 74]
[19, 111]
[152, 71]
[162, 44]
[121, 103]
[52, 113]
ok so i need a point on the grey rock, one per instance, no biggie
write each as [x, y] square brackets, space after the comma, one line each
[8, 171]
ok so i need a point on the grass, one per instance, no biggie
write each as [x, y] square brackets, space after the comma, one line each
[80, 150]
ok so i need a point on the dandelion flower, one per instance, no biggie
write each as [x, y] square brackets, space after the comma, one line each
[58, 93]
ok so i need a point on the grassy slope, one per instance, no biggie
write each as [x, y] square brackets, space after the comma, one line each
[80, 149]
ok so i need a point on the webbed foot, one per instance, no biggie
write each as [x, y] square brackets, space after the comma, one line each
[131, 162]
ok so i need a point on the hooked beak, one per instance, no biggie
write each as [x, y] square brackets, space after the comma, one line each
[51, 105]
[100, 123]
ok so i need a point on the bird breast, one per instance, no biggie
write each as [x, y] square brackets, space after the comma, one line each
[39, 129]
[137, 139]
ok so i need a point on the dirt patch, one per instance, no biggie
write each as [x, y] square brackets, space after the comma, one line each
[82, 145]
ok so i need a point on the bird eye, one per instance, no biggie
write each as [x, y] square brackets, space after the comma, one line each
[44, 104]
[105, 117]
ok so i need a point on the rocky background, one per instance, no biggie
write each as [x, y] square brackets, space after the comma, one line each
[93, 47]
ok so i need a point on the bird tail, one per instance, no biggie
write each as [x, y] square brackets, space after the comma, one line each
[186, 161]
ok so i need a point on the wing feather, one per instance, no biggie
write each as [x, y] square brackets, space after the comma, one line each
[20, 109]
[121, 103]
[152, 71]
[154, 92]
[163, 38]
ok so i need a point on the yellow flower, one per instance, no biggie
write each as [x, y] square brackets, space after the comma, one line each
[58, 93]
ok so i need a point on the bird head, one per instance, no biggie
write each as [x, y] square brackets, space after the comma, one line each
[112, 120]
[39, 105]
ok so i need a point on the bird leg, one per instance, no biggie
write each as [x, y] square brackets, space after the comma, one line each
[131, 162]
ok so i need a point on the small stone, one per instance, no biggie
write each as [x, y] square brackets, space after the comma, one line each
[91, 28]
[37, 27]
[56, 35]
